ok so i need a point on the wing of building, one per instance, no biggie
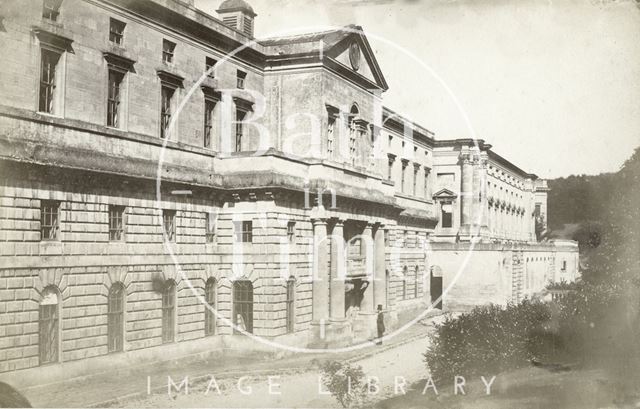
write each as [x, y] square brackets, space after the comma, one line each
[155, 161]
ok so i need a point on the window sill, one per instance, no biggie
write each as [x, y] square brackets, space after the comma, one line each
[51, 242]
[50, 115]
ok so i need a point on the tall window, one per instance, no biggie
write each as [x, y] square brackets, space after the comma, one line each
[169, 312]
[426, 183]
[291, 231]
[243, 306]
[113, 98]
[49, 220]
[415, 180]
[243, 231]
[209, 106]
[115, 314]
[330, 135]
[390, 161]
[116, 31]
[241, 77]
[417, 283]
[51, 9]
[210, 227]
[353, 133]
[208, 63]
[405, 272]
[240, 115]
[48, 65]
[210, 297]
[168, 49]
[403, 175]
[165, 113]
[49, 325]
[353, 144]
[291, 299]
[116, 223]
[447, 215]
[169, 223]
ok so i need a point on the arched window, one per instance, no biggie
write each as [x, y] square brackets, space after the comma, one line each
[210, 290]
[291, 306]
[405, 272]
[417, 283]
[115, 318]
[169, 312]
[49, 325]
[353, 112]
[243, 306]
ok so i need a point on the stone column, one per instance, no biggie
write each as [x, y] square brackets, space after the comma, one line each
[476, 215]
[484, 203]
[367, 301]
[338, 272]
[466, 192]
[320, 286]
[380, 279]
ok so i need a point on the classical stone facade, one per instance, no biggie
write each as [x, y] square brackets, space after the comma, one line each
[155, 161]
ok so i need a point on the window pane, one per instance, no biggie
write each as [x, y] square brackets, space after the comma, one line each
[243, 305]
[48, 65]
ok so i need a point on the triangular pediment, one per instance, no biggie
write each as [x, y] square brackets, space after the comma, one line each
[346, 51]
[445, 194]
[353, 55]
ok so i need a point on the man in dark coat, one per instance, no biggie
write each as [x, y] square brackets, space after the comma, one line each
[380, 322]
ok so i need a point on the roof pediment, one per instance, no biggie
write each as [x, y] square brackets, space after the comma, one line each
[354, 54]
[445, 194]
[345, 51]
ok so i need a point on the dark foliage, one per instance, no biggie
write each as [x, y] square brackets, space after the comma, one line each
[345, 382]
[492, 339]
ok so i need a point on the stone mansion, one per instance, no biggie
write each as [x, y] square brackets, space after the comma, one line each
[156, 161]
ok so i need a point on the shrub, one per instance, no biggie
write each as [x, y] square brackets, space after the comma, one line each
[492, 339]
[344, 381]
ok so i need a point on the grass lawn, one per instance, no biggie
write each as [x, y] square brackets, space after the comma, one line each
[524, 388]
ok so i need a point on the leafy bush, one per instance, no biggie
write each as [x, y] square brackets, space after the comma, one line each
[492, 339]
[344, 381]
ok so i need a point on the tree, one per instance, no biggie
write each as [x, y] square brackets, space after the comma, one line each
[345, 382]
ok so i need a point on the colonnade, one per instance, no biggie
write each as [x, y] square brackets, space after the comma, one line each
[330, 269]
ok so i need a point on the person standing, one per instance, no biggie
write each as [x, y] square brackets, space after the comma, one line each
[380, 322]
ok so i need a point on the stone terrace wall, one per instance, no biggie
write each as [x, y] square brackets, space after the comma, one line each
[498, 273]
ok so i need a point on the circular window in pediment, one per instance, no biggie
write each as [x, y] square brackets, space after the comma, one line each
[354, 56]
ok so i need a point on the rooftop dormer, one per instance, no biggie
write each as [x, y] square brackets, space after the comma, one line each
[237, 14]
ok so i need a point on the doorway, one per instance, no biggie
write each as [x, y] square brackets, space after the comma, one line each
[436, 286]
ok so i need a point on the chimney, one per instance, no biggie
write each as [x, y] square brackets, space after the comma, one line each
[237, 14]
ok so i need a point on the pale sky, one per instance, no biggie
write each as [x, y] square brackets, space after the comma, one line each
[554, 86]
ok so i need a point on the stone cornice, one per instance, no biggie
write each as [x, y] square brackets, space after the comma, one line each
[170, 78]
[53, 36]
[119, 60]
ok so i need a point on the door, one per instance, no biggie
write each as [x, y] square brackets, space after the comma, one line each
[436, 287]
